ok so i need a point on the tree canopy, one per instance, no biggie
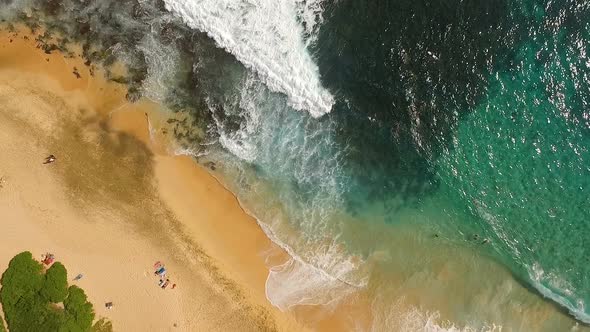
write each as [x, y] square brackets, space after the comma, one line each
[31, 298]
[55, 288]
[79, 311]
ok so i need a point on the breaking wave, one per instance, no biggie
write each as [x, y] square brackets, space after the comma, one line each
[398, 317]
[268, 37]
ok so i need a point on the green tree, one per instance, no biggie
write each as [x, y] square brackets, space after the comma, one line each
[55, 287]
[78, 309]
[102, 325]
[21, 283]
[22, 279]
[29, 299]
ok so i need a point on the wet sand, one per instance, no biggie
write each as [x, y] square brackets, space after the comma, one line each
[115, 202]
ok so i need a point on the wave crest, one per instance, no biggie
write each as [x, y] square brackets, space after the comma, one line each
[267, 37]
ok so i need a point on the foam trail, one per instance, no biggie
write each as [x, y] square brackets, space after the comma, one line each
[267, 36]
[399, 317]
[296, 283]
[539, 278]
[161, 61]
[310, 12]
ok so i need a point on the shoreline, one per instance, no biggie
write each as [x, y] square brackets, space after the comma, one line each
[230, 254]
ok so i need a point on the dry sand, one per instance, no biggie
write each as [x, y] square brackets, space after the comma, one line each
[115, 202]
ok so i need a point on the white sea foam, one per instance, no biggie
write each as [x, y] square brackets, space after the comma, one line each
[161, 61]
[540, 278]
[323, 278]
[161, 66]
[240, 142]
[267, 36]
[321, 275]
[310, 12]
[399, 317]
[298, 283]
[9, 10]
[549, 284]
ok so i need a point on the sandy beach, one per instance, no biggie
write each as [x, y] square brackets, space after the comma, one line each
[115, 202]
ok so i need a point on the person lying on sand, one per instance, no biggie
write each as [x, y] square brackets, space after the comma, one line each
[165, 284]
[50, 159]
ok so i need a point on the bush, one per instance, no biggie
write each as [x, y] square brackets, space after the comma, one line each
[21, 283]
[78, 310]
[28, 298]
[102, 325]
[55, 287]
[22, 279]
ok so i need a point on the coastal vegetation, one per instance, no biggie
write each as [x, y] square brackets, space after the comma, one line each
[35, 299]
[99, 33]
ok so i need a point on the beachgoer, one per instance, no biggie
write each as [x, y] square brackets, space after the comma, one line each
[108, 305]
[173, 286]
[485, 241]
[78, 277]
[161, 282]
[159, 270]
[49, 258]
[50, 159]
[165, 284]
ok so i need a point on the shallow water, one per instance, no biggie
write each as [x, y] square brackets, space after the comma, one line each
[429, 158]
